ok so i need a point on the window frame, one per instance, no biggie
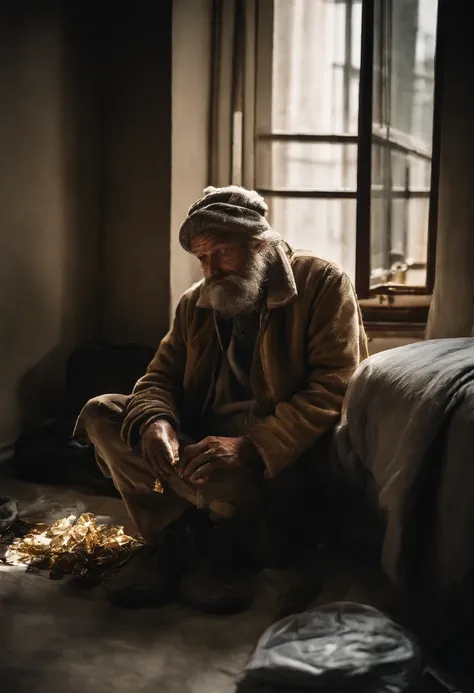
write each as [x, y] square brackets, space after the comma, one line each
[381, 297]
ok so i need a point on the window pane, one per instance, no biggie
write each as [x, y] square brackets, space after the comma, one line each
[306, 166]
[403, 117]
[316, 66]
[326, 227]
[404, 253]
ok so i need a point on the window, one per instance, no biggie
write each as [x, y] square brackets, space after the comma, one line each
[344, 134]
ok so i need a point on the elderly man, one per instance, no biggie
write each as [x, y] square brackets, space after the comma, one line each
[210, 451]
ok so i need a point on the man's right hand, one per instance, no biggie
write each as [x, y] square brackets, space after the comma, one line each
[160, 448]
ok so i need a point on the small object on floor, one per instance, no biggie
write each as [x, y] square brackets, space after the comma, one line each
[12, 527]
[9, 513]
[342, 646]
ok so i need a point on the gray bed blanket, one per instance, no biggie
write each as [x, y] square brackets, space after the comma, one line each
[407, 431]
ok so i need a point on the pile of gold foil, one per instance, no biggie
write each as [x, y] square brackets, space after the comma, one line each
[77, 546]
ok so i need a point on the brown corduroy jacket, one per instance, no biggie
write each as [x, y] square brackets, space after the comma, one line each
[311, 341]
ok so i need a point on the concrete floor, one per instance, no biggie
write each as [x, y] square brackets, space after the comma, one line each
[57, 638]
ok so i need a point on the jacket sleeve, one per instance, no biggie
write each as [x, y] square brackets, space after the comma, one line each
[336, 345]
[158, 394]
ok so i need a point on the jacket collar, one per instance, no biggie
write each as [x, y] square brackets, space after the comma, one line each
[281, 285]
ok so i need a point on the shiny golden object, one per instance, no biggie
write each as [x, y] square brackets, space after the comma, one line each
[158, 487]
[76, 546]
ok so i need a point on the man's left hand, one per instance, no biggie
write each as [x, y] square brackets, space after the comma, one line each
[198, 461]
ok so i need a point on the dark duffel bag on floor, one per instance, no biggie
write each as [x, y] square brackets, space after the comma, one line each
[47, 453]
[98, 369]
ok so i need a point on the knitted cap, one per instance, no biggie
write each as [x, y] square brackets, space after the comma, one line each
[229, 209]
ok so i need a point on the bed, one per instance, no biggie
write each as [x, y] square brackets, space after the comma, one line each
[407, 439]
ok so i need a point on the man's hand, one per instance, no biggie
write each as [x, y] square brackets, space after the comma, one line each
[160, 448]
[198, 461]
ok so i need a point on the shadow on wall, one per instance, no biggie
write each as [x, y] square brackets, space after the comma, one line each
[49, 212]
[39, 389]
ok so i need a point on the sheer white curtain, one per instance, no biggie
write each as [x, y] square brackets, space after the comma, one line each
[452, 306]
[233, 93]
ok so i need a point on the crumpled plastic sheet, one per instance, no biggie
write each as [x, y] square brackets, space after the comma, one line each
[77, 546]
[343, 646]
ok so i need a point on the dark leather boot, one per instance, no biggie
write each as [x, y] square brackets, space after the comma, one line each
[216, 579]
[151, 576]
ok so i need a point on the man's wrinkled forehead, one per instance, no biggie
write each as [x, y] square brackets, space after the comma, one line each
[210, 241]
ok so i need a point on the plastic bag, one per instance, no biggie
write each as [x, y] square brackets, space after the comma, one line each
[342, 647]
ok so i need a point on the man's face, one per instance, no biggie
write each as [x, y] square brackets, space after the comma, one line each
[234, 271]
[220, 258]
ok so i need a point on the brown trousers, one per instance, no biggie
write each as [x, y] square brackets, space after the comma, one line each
[269, 514]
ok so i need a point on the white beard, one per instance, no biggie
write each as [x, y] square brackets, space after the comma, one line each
[239, 294]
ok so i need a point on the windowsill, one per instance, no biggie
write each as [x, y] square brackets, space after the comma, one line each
[384, 342]
[396, 315]
[394, 330]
